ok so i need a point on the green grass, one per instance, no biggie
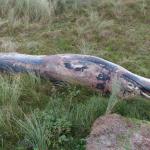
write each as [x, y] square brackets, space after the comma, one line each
[34, 112]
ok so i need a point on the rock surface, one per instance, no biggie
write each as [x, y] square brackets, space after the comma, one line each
[114, 132]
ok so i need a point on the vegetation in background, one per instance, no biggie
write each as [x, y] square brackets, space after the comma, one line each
[35, 114]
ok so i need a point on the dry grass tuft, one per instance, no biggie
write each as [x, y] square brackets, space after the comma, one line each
[27, 10]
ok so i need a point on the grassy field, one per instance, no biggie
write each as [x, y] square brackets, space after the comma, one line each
[35, 114]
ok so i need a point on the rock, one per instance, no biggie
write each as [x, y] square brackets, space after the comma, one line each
[114, 132]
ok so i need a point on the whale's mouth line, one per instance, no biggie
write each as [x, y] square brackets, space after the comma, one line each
[145, 95]
[144, 89]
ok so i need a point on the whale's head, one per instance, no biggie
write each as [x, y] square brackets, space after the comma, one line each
[133, 85]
